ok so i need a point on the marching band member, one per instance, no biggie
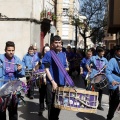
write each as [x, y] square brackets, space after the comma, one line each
[42, 89]
[36, 53]
[29, 61]
[98, 62]
[113, 75]
[11, 69]
[70, 58]
[55, 77]
[83, 68]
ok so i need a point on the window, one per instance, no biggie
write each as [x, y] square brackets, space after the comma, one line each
[65, 11]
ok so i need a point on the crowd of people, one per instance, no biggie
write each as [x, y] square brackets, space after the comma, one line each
[91, 62]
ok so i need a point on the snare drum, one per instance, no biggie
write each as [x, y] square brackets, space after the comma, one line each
[100, 81]
[39, 77]
[10, 92]
[76, 100]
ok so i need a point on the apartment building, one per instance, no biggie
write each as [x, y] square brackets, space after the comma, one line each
[109, 39]
[114, 20]
[64, 27]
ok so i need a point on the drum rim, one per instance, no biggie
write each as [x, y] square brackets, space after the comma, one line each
[96, 76]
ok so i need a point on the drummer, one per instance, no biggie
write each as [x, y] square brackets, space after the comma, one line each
[113, 75]
[83, 69]
[29, 61]
[42, 89]
[54, 76]
[36, 53]
[11, 69]
[97, 63]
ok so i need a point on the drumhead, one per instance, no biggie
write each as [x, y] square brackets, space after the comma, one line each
[98, 78]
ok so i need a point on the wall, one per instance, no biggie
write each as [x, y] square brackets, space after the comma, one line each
[23, 33]
[16, 32]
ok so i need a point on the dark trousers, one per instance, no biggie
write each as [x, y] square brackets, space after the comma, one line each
[53, 113]
[113, 103]
[100, 91]
[31, 87]
[85, 81]
[12, 111]
[42, 96]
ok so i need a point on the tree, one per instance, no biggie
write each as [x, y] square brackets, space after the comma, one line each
[94, 11]
[98, 35]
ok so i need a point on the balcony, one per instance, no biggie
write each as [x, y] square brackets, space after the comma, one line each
[47, 14]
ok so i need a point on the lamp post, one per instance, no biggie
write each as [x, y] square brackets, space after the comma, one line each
[57, 32]
[52, 30]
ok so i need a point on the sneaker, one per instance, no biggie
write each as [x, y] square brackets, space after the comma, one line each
[31, 97]
[27, 95]
[40, 113]
[46, 107]
[42, 108]
[100, 108]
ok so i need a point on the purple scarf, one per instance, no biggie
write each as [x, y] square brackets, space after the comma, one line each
[61, 67]
[99, 64]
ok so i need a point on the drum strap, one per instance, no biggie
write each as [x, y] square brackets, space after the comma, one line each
[60, 65]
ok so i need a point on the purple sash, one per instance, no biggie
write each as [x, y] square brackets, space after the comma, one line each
[99, 64]
[9, 68]
[60, 65]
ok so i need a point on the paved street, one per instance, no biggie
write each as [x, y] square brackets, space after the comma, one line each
[30, 110]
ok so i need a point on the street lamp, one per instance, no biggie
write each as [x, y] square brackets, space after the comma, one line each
[57, 32]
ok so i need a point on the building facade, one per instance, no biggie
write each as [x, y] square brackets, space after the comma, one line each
[65, 29]
[20, 22]
[114, 19]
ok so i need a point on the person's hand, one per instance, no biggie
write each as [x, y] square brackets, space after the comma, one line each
[105, 66]
[54, 85]
[33, 69]
[115, 83]
[19, 67]
[89, 70]
[81, 72]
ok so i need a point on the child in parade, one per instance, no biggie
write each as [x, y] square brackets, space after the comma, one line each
[83, 67]
[70, 58]
[97, 63]
[11, 69]
[42, 88]
[29, 61]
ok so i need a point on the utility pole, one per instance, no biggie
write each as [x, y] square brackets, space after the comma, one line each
[75, 34]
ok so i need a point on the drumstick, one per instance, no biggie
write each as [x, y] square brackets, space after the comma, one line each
[101, 69]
